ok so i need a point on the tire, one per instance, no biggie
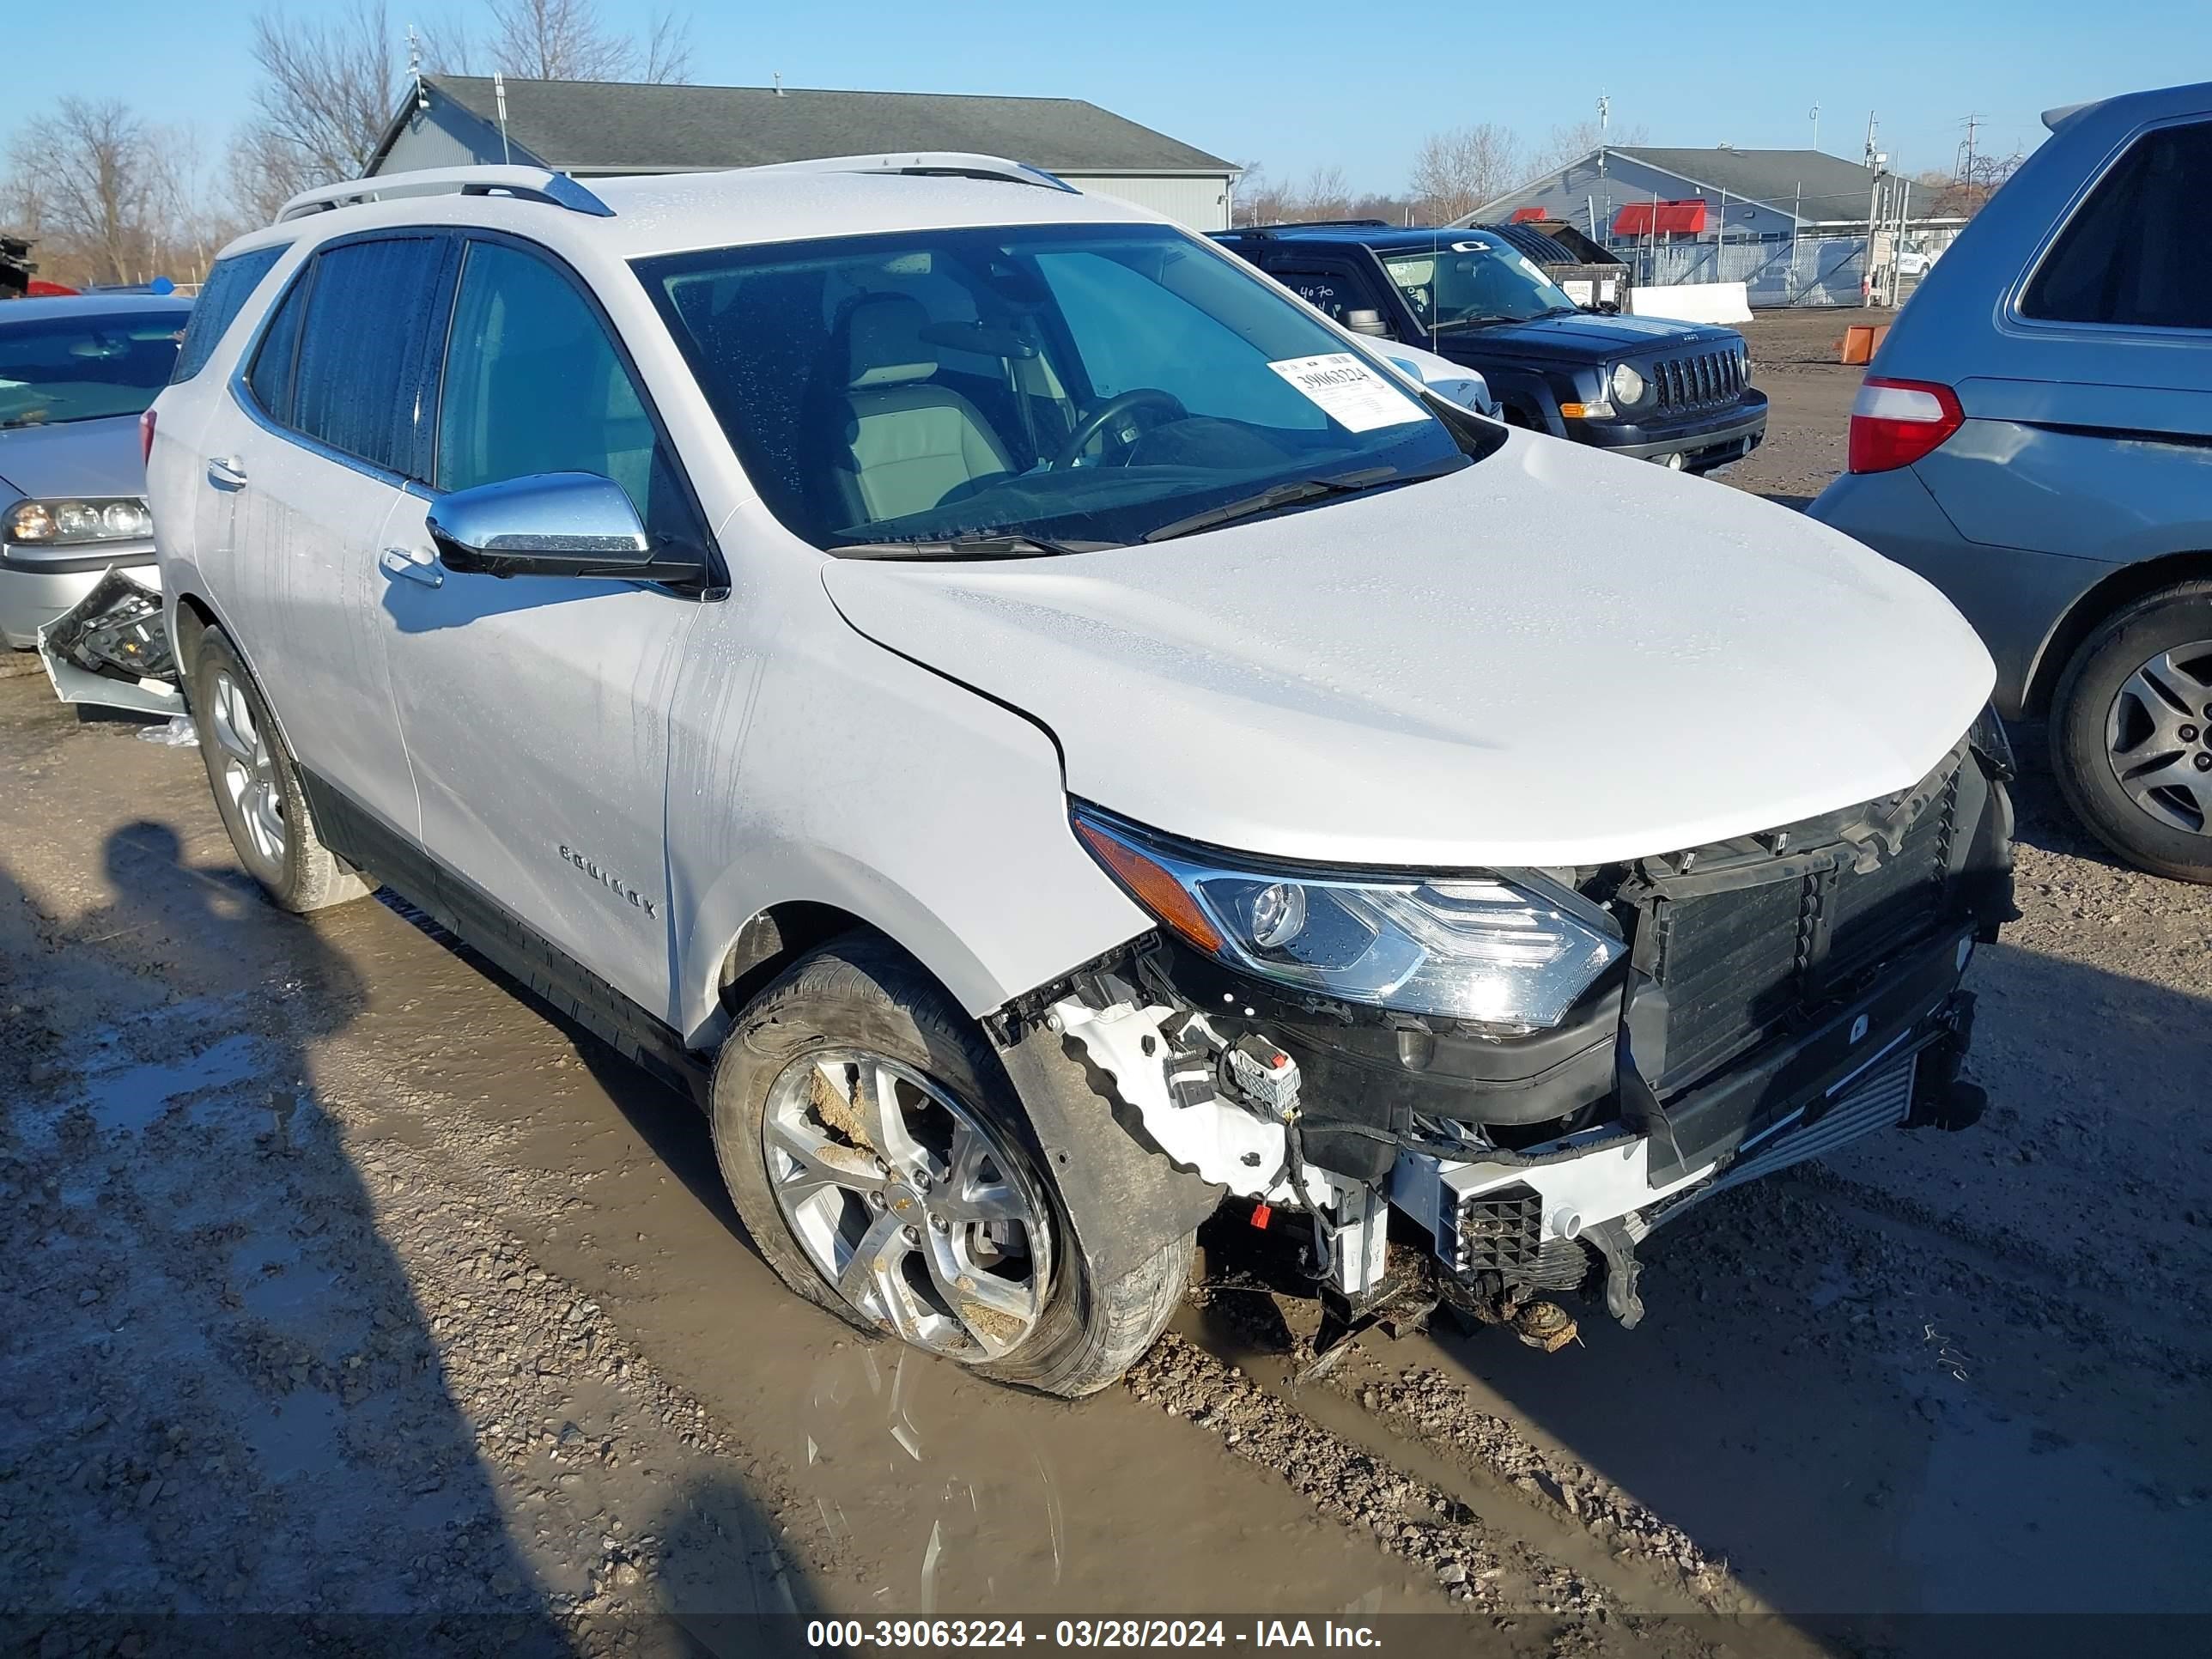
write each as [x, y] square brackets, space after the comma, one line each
[797, 1056]
[257, 787]
[2111, 728]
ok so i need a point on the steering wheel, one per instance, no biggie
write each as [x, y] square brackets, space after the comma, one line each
[1121, 404]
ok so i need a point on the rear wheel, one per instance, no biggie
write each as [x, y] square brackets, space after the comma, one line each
[885, 1170]
[2131, 733]
[257, 787]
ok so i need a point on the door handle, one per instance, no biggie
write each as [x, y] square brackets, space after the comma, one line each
[412, 566]
[225, 471]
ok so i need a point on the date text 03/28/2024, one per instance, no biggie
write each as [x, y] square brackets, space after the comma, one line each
[942, 1633]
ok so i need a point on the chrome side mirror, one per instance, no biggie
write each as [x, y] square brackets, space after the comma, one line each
[1360, 320]
[553, 524]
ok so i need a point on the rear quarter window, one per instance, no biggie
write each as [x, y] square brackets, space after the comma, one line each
[229, 283]
[2135, 254]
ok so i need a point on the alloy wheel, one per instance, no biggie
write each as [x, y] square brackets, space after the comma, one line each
[909, 1203]
[249, 772]
[2157, 736]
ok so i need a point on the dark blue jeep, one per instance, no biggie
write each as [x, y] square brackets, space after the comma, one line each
[1677, 393]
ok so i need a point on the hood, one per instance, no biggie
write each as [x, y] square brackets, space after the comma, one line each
[78, 458]
[1552, 657]
[1585, 337]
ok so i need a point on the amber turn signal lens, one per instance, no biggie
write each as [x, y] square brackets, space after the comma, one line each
[1152, 887]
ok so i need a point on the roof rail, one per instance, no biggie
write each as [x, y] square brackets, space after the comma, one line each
[526, 184]
[1308, 224]
[929, 164]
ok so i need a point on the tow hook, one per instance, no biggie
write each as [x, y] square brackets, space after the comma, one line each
[1621, 1270]
[1940, 1099]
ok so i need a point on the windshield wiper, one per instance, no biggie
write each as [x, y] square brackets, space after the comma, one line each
[988, 546]
[1282, 494]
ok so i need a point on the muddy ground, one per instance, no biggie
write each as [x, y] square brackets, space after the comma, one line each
[342, 1280]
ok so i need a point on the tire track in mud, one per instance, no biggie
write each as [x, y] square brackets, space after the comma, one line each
[1481, 1553]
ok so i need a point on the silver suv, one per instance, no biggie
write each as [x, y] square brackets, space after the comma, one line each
[1049, 738]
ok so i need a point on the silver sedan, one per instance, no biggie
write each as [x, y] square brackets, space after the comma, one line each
[75, 373]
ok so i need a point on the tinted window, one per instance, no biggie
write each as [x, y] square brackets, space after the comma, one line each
[533, 383]
[1325, 291]
[84, 367]
[270, 377]
[365, 354]
[225, 291]
[2135, 254]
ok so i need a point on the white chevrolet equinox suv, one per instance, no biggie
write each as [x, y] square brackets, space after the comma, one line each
[1050, 738]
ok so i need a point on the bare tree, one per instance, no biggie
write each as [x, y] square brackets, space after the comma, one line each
[89, 176]
[191, 205]
[328, 90]
[1965, 191]
[1323, 195]
[567, 40]
[1575, 139]
[1455, 173]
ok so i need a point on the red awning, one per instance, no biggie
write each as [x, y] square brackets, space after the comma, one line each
[1529, 216]
[1649, 218]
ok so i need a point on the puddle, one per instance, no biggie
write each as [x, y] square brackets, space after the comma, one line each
[300, 1298]
[297, 1435]
[983, 1513]
[131, 1098]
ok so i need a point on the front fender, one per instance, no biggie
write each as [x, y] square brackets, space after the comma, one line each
[846, 775]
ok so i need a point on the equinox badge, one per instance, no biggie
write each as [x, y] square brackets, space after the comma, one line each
[609, 880]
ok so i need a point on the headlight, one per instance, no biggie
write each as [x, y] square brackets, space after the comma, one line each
[1747, 365]
[97, 519]
[1627, 385]
[1506, 955]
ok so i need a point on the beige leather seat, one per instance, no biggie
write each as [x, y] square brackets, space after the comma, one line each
[912, 442]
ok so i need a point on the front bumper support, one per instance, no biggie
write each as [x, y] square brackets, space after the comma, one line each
[1525, 1218]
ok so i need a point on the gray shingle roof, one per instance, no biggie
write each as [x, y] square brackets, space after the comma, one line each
[618, 126]
[1772, 176]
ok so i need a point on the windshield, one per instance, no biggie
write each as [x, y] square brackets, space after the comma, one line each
[1472, 281]
[84, 367]
[1078, 384]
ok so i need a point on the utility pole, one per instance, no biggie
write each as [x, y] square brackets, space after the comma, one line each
[1873, 159]
[1973, 121]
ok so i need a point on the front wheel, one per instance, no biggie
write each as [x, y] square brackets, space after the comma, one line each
[2131, 732]
[880, 1160]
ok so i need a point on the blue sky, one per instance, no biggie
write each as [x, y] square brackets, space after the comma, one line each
[1298, 85]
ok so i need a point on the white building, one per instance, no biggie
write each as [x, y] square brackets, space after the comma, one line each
[1792, 225]
[600, 127]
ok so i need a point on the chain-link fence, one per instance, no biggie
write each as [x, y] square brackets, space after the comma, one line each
[1802, 270]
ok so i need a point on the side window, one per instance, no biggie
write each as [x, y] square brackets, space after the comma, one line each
[365, 354]
[1325, 291]
[2135, 254]
[533, 383]
[271, 377]
[221, 297]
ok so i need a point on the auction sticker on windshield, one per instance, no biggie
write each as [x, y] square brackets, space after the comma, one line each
[1349, 392]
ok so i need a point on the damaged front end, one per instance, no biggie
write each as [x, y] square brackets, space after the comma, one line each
[112, 648]
[1536, 1069]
